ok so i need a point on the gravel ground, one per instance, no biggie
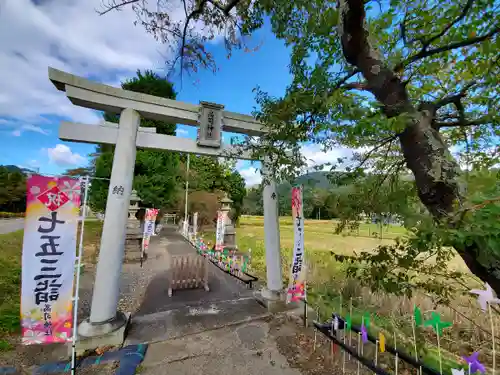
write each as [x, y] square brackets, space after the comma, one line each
[134, 281]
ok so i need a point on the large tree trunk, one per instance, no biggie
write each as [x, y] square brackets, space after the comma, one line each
[436, 172]
[436, 177]
[426, 154]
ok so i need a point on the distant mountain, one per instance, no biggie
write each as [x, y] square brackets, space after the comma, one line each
[315, 179]
[15, 168]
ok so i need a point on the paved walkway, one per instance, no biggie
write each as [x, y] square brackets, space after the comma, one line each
[244, 349]
[11, 225]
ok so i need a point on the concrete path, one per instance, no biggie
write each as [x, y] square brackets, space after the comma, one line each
[11, 225]
[244, 349]
[160, 317]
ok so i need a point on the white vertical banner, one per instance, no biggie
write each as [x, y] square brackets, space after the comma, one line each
[48, 259]
[195, 224]
[220, 229]
[296, 286]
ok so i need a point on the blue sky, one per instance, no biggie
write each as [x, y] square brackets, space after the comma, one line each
[70, 36]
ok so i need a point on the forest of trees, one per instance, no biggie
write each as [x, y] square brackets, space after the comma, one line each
[12, 189]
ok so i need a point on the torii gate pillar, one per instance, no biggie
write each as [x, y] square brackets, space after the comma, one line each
[103, 315]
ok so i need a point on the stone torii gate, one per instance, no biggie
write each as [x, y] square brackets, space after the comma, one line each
[210, 119]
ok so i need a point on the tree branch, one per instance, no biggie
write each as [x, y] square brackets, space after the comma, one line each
[227, 8]
[455, 97]
[402, 28]
[424, 52]
[460, 17]
[383, 83]
[461, 123]
[355, 86]
[188, 45]
[116, 6]
[382, 143]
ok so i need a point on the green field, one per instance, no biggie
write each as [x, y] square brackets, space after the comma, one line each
[10, 282]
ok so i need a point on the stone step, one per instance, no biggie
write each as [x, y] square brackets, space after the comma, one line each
[165, 325]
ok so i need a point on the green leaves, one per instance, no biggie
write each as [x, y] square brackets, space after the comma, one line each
[12, 189]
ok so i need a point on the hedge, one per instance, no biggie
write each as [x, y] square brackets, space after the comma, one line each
[8, 215]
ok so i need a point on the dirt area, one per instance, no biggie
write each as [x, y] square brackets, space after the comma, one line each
[297, 344]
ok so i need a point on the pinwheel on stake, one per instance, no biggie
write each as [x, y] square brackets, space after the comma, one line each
[438, 326]
[416, 322]
[486, 298]
[381, 342]
[343, 336]
[364, 333]
[348, 324]
[474, 364]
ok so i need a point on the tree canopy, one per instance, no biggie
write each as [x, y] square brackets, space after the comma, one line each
[405, 80]
[214, 175]
[12, 189]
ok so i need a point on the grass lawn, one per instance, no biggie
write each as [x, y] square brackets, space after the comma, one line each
[329, 290]
[10, 276]
[10, 283]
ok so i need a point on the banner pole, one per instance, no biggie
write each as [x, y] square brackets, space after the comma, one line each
[77, 286]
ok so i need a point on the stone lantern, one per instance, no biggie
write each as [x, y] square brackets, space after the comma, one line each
[229, 232]
[133, 223]
[133, 237]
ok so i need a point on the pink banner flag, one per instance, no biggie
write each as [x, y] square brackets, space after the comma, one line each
[48, 260]
[296, 287]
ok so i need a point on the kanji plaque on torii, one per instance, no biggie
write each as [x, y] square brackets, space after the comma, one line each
[210, 128]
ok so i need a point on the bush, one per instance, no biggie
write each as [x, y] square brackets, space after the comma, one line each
[9, 215]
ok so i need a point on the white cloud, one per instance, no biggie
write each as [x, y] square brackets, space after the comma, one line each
[19, 129]
[62, 156]
[34, 128]
[33, 163]
[251, 175]
[315, 157]
[71, 36]
[181, 132]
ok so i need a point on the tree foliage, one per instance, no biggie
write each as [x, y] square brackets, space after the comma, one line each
[405, 80]
[218, 175]
[12, 190]
[206, 204]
